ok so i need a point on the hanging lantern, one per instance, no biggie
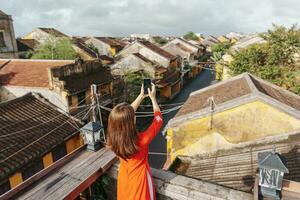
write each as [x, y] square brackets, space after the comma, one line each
[93, 135]
[271, 171]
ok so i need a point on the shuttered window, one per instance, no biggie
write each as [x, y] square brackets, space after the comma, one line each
[4, 187]
[32, 169]
[2, 43]
[59, 152]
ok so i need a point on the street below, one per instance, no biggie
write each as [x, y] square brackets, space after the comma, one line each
[159, 144]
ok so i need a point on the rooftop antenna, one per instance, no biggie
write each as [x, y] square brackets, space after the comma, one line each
[212, 103]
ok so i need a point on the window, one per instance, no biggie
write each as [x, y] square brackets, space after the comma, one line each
[32, 169]
[59, 152]
[70, 101]
[2, 42]
[81, 98]
[4, 187]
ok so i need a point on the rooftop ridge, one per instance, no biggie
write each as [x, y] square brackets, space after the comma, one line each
[34, 60]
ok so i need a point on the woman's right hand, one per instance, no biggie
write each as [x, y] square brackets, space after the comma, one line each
[152, 92]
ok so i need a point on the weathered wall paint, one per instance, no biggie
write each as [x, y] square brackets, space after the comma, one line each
[248, 122]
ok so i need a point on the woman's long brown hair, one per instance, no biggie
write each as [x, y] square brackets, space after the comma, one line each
[122, 133]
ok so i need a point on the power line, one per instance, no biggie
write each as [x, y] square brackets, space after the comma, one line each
[29, 128]
[34, 141]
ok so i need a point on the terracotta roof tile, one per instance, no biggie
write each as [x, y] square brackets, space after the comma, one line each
[221, 93]
[27, 44]
[112, 41]
[22, 122]
[27, 73]
[157, 49]
[236, 168]
[53, 31]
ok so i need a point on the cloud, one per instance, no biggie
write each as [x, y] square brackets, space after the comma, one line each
[167, 17]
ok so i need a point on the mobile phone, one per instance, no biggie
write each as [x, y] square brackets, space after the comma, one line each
[147, 84]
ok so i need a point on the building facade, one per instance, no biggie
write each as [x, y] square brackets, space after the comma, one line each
[8, 44]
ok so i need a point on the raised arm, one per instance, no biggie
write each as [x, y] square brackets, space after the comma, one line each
[153, 129]
[152, 95]
[136, 103]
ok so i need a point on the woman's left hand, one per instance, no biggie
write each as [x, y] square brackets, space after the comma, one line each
[142, 94]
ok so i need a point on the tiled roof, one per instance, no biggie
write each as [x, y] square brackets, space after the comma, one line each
[2, 13]
[236, 87]
[236, 168]
[189, 43]
[81, 45]
[183, 48]
[112, 41]
[277, 93]
[53, 31]
[222, 92]
[106, 57]
[81, 81]
[27, 44]
[30, 128]
[157, 49]
[143, 58]
[29, 73]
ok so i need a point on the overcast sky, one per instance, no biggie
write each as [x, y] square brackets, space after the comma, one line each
[158, 17]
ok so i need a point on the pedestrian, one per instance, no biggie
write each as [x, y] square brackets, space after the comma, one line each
[134, 178]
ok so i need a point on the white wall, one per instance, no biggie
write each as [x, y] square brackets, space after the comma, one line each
[132, 63]
[10, 92]
[102, 47]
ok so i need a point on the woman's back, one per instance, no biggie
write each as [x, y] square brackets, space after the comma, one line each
[134, 179]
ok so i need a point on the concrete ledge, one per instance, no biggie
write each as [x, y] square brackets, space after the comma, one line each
[172, 186]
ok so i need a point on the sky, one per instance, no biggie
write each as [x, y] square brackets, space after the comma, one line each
[157, 17]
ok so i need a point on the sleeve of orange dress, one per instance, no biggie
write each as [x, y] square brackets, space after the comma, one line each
[153, 129]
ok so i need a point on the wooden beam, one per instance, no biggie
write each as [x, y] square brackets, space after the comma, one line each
[90, 180]
[291, 186]
[255, 189]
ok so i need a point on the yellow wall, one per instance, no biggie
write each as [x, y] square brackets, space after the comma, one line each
[248, 122]
[82, 53]
[47, 159]
[113, 51]
[73, 143]
[223, 39]
[28, 36]
[15, 179]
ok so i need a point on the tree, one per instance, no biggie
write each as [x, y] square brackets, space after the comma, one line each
[218, 50]
[93, 47]
[191, 36]
[133, 82]
[277, 60]
[55, 49]
[161, 41]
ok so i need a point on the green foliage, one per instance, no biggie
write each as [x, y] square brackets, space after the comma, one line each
[55, 49]
[275, 60]
[218, 50]
[99, 187]
[191, 36]
[133, 82]
[93, 47]
[160, 41]
[204, 58]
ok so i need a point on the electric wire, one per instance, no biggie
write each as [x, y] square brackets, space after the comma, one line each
[35, 141]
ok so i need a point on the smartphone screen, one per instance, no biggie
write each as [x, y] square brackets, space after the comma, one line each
[147, 84]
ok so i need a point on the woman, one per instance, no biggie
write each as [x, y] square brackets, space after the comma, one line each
[134, 178]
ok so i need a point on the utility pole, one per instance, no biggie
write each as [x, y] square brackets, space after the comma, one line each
[96, 102]
[93, 92]
[212, 110]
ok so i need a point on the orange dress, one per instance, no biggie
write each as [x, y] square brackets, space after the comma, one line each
[134, 178]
